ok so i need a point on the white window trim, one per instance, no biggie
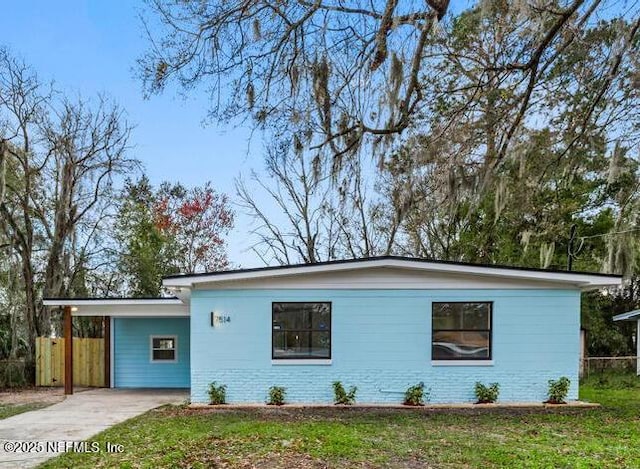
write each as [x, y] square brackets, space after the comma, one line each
[163, 336]
[301, 361]
[461, 362]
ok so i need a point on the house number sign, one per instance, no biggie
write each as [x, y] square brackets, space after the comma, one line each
[219, 319]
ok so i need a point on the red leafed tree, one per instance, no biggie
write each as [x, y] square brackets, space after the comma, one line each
[196, 221]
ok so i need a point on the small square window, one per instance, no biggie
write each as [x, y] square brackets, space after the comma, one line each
[163, 348]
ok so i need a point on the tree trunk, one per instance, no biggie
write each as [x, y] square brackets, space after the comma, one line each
[31, 315]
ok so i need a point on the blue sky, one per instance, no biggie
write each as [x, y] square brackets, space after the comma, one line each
[90, 47]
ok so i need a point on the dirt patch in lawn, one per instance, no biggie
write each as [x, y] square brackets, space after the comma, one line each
[275, 461]
[293, 460]
[225, 454]
[31, 396]
[294, 414]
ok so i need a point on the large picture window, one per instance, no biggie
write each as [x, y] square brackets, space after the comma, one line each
[301, 330]
[461, 331]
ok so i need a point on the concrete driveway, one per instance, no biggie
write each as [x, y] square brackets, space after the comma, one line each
[77, 418]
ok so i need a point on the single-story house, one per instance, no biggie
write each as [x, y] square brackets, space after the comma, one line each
[381, 324]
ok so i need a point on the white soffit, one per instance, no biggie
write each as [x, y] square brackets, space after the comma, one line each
[122, 307]
[384, 266]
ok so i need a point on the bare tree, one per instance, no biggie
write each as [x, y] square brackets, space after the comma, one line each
[367, 212]
[346, 77]
[305, 233]
[297, 60]
[58, 160]
[467, 166]
[310, 216]
[87, 147]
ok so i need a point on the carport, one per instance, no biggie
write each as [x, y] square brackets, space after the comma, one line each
[146, 339]
[633, 316]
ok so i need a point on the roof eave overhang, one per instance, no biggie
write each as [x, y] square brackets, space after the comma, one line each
[110, 301]
[575, 280]
[138, 308]
[629, 316]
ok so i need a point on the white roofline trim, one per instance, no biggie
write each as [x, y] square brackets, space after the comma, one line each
[110, 301]
[628, 316]
[580, 280]
[123, 307]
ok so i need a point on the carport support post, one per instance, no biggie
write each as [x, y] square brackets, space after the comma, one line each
[107, 351]
[68, 351]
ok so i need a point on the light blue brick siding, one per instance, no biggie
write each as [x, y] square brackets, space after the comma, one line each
[132, 357]
[381, 343]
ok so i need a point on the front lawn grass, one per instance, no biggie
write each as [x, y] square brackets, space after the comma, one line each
[360, 438]
[8, 410]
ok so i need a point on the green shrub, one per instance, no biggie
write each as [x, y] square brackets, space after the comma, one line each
[343, 397]
[487, 394]
[415, 395]
[276, 395]
[558, 390]
[217, 394]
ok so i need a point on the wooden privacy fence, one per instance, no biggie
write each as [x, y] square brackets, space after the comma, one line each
[88, 362]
